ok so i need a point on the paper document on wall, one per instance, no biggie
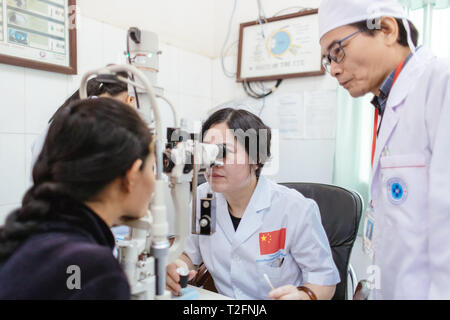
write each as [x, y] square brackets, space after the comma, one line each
[291, 116]
[306, 116]
[311, 115]
[320, 114]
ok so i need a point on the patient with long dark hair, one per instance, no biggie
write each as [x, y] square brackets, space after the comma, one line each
[96, 168]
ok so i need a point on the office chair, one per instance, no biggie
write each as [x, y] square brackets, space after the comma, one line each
[341, 211]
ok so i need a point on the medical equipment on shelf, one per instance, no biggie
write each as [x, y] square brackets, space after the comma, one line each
[145, 253]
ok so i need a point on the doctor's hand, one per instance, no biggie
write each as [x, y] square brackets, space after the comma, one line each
[288, 293]
[173, 278]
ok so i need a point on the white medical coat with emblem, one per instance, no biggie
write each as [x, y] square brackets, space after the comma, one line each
[411, 185]
[234, 257]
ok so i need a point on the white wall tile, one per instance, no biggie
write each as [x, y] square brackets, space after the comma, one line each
[6, 210]
[12, 91]
[102, 45]
[166, 111]
[169, 68]
[305, 161]
[45, 92]
[224, 89]
[298, 160]
[37, 94]
[114, 45]
[12, 168]
[195, 75]
[194, 109]
[90, 45]
[29, 140]
[73, 84]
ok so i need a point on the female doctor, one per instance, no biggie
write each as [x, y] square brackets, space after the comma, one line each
[263, 229]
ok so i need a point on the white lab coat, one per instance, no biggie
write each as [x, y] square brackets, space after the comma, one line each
[234, 259]
[411, 184]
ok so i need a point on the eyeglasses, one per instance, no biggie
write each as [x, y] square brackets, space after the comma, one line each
[336, 53]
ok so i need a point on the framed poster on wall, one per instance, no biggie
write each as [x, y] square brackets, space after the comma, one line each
[282, 47]
[39, 34]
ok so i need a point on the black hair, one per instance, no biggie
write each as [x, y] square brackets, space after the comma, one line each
[97, 88]
[402, 37]
[89, 144]
[248, 128]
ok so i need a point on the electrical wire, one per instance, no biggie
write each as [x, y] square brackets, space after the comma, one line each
[231, 46]
[261, 12]
[248, 85]
[261, 18]
[257, 95]
[247, 90]
[222, 55]
[264, 100]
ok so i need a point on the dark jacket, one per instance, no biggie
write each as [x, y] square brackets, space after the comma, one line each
[46, 265]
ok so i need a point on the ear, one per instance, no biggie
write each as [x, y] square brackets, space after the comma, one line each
[132, 176]
[390, 30]
[130, 100]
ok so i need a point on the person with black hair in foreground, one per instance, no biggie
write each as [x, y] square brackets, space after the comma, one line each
[96, 168]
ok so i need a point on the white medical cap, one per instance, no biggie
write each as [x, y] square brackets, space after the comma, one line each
[338, 13]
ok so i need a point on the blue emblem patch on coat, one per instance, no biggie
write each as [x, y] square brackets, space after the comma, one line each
[397, 191]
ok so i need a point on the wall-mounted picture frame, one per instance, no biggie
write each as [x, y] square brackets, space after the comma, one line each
[39, 34]
[280, 48]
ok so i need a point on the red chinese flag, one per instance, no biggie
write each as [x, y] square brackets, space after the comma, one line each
[271, 242]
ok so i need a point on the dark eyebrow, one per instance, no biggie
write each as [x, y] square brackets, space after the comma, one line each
[329, 47]
[332, 44]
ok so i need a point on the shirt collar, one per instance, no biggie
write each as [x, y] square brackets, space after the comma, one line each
[75, 217]
[260, 198]
[380, 101]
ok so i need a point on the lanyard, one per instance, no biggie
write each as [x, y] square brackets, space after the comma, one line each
[375, 122]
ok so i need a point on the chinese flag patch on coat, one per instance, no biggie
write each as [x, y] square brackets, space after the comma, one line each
[271, 242]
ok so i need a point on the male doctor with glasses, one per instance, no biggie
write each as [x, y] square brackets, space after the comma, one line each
[370, 47]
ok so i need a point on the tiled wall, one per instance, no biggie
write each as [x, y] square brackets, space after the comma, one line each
[192, 82]
[30, 97]
[302, 160]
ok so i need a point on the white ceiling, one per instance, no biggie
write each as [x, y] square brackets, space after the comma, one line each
[199, 26]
